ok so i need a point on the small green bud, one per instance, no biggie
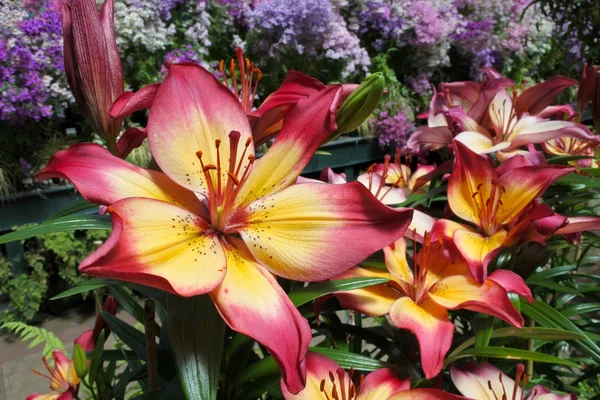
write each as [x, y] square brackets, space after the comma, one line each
[360, 104]
[80, 361]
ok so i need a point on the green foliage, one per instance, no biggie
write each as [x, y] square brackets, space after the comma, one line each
[590, 389]
[51, 262]
[36, 335]
[65, 250]
[25, 292]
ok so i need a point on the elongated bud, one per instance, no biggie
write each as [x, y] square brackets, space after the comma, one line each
[80, 361]
[92, 64]
[360, 104]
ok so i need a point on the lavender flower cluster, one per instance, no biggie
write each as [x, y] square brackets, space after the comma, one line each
[340, 35]
[31, 61]
[393, 126]
[496, 31]
[312, 28]
[490, 32]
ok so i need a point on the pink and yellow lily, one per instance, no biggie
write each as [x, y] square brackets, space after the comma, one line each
[493, 121]
[569, 146]
[64, 382]
[471, 97]
[220, 222]
[486, 382]
[419, 299]
[494, 201]
[394, 181]
[328, 381]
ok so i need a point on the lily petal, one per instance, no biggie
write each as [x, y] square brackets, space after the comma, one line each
[307, 124]
[501, 113]
[425, 394]
[160, 245]
[580, 224]
[429, 138]
[538, 97]
[104, 179]
[318, 368]
[395, 261]
[421, 224]
[267, 120]
[475, 141]
[523, 185]
[51, 396]
[381, 384]
[531, 129]
[489, 90]
[419, 178]
[191, 111]
[130, 102]
[512, 283]
[429, 322]
[251, 302]
[478, 250]
[131, 139]
[296, 233]
[472, 380]
[388, 195]
[373, 300]
[465, 122]
[538, 392]
[462, 291]
[472, 173]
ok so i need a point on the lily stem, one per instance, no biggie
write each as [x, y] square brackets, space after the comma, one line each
[529, 363]
[150, 335]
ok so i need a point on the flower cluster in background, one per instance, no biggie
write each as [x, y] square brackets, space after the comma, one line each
[31, 62]
[311, 29]
[423, 42]
[430, 40]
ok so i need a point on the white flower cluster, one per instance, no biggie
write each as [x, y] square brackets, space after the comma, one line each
[140, 24]
[199, 23]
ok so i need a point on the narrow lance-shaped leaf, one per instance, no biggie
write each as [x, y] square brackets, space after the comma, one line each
[62, 224]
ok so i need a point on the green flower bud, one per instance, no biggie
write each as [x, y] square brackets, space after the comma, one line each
[80, 361]
[360, 104]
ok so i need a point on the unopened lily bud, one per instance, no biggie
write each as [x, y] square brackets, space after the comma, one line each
[92, 64]
[589, 91]
[360, 104]
[80, 361]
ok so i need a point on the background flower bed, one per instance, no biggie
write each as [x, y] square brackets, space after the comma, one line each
[414, 42]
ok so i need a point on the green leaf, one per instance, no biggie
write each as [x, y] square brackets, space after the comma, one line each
[311, 292]
[545, 315]
[63, 224]
[267, 365]
[83, 287]
[551, 273]
[97, 356]
[483, 325]
[510, 354]
[580, 309]
[350, 360]
[119, 355]
[564, 160]
[80, 361]
[259, 369]
[196, 332]
[550, 334]
[128, 302]
[132, 337]
[82, 205]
